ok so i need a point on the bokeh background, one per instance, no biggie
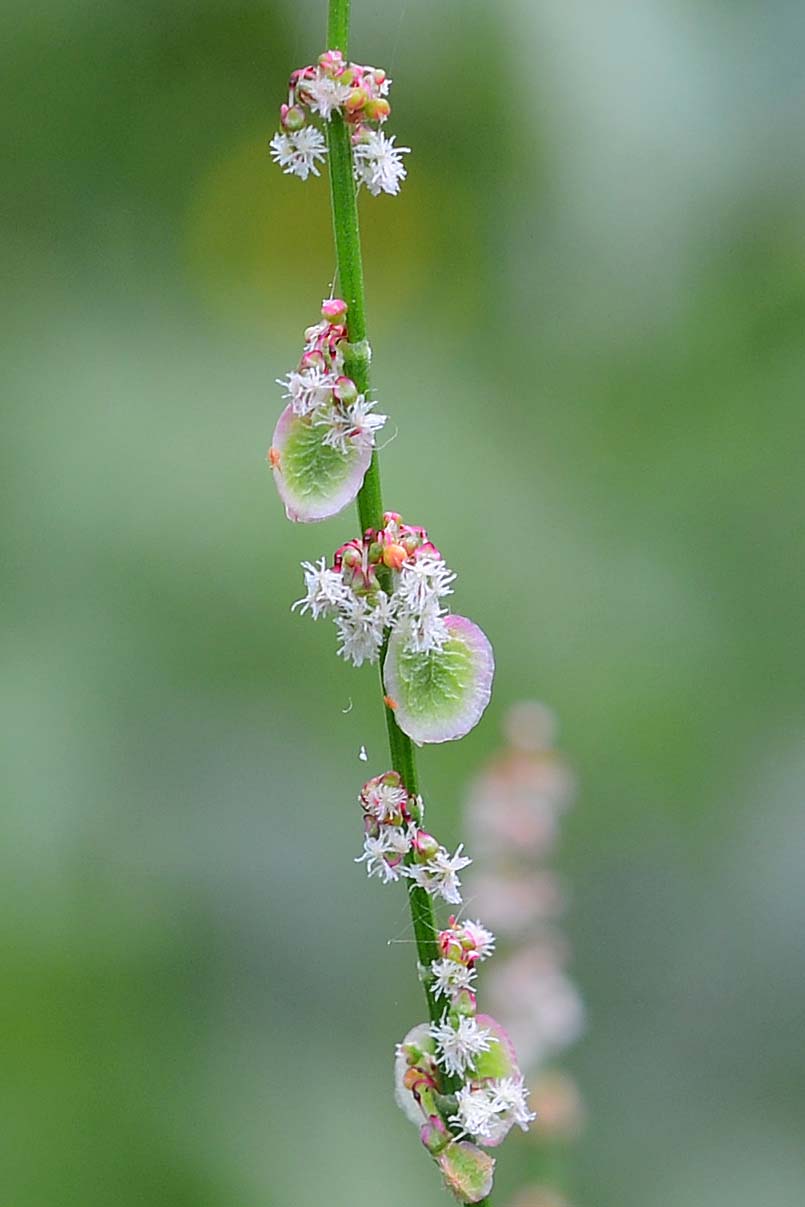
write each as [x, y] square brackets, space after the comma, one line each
[587, 309]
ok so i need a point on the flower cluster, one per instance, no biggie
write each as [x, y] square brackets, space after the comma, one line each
[474, 1051]
[457, 1078]
[393, 830]
[350, 591]
[463, 945]
[319, 391]
[359, 95]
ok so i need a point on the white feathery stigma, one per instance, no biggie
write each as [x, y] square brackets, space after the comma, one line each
[439, 876]
[377, 163]
[298, 151]
[325, 589]
[459, 1045]
[450, 977]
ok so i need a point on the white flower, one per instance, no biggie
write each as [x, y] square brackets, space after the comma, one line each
[325, 95]
[483, 941]
[383, 801]
[378, 164]
[326, 591]
[383, 855]
[489, 1111]
[385, 609]
[426, 631]
[439, 875]
[308, 390]
[297, 152]
[350, 424]
[476, 1112]
[450, 977]
[374, 855]
[511, 1099]
[458, 1046]
[423, 582]
[360, 630]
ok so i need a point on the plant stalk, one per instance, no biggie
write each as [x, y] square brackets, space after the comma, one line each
[370, 499]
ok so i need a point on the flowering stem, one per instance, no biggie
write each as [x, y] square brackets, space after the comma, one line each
[370, 500]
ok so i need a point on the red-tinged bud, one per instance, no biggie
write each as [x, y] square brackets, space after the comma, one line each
[379, 74]
[332, 61]
[434, 1134]
[377, 109]
[417, 1080]
[425, 846]
[356, 100]
[450, 947]
[394, 556]
[333, 309]
[274, 458]
[414, 530]
[345, 390]
[410, 544]
[312, 360]
[292, 117]
[351, 558]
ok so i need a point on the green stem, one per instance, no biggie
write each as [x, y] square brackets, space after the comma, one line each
[370, 498]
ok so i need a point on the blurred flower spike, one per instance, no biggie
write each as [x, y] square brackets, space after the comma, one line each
[323, 441]
[438, 667]
[358, 94]
[514, 810]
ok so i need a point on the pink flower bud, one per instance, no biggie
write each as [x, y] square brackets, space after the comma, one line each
[425, 845]
[333, 309]
[332, 61]
[349, 555]
[312, 360]
[292, 117]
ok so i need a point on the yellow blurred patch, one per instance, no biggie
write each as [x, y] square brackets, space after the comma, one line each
[259, 243]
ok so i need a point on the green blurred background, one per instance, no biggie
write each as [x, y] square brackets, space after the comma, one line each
[587, 309]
